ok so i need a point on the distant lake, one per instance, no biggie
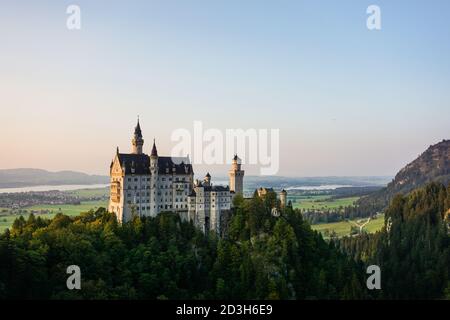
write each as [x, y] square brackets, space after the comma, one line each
[67, 187]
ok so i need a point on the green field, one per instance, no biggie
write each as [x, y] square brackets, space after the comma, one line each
[71, 210]
[321, 202]
[86, 193]
[342, 228]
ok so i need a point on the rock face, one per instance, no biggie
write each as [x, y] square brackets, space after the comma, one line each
[431, 165]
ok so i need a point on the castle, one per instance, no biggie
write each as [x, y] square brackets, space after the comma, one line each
[145, 185]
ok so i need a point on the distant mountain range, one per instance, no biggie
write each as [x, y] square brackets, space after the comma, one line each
[431, 165]
[16, 178]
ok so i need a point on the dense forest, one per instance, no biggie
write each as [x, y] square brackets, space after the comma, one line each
[261, 257]
[413, 249]
[258, 257]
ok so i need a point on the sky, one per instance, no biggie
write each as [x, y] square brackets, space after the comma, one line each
[347, 101]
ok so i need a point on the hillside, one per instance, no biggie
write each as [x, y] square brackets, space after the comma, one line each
[413, 250]
[431, 165]
[15, 178]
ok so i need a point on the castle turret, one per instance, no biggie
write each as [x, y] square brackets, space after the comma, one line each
[283, 198]
[207, 180]
[137, 141]
[154, 180]
[236, 176]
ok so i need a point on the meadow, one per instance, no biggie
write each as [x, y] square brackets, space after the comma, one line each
[343, 228]
[320, 202]
[49, 211]
[88, 193]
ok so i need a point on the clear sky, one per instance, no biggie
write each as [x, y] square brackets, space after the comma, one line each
[347, 101]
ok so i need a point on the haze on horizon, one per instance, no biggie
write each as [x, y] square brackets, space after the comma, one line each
[348, 101]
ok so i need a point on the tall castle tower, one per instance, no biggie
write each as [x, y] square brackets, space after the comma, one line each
[283, 198]
[137, 141]
[236, 176]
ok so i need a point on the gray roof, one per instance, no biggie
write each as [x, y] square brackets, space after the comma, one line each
[180, 164]
[141, 164]
[216, 188]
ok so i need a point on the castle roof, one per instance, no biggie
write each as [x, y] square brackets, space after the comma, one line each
[216, 188]
[134, 163]
[211, 188]
[178, 165]
[154, 151]
[137, 130]
[140, 164]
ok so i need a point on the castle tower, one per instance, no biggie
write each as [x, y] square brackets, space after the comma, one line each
[137, 141]
[207, 180]
[154, 181]
[236, 176]
[283, 198]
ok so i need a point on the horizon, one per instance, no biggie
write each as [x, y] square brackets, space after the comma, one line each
[347, 101]
[218, 176]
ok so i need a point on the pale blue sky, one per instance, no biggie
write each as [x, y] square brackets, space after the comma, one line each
[347, 101]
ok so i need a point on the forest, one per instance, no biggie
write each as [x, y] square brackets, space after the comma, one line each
[258, 257]
[262, 257]
[413, 248]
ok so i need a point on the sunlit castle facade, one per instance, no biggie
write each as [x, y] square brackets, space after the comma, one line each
[145, 185]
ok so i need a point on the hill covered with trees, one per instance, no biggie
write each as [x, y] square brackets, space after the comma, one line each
[261, 257]
[413, 249]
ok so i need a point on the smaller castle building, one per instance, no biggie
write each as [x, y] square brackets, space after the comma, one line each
[208, 203]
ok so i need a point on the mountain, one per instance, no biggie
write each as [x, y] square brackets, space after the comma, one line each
[15, 178]
[431, 165]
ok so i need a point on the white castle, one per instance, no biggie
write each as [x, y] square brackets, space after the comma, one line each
[144, 185]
